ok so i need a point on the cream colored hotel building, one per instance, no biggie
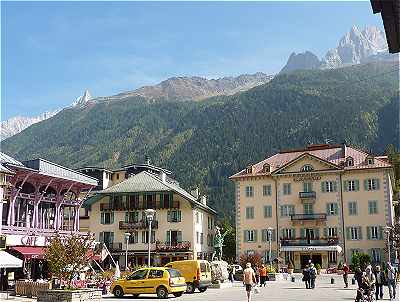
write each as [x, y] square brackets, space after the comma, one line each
[324, 203]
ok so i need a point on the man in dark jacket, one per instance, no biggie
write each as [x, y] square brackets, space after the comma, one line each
[380, 281]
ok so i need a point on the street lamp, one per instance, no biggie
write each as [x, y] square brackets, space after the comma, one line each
[149, 216]
[270, 246]
[127, 235]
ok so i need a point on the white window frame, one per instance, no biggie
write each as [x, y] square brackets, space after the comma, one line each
[354, 233]
[267, 190]
[250, 236]
[249, 191]
[269, 211]
[372, 184]
[287, 188]
[353, 208]
[351, 185]
[375, 207]
[249, 212]
[332, 232]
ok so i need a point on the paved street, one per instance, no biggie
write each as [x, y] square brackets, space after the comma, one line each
[275, 291]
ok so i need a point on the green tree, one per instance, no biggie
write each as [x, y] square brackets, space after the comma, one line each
[360, 260]
[69, 255]
[229, 248]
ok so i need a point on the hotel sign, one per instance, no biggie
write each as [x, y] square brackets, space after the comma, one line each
[306, 177]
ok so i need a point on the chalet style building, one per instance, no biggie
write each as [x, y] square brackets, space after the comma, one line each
[323, 203]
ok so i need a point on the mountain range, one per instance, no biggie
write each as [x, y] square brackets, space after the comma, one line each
[204, 142]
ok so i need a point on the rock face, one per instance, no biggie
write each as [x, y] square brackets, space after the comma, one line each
[82, 100]
[195, 88]
[219, 271]
[305, 60]
[356, 46]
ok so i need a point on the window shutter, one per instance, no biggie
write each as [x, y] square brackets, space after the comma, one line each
[264, 235]
[323, 188]
[377, 184]
[334, 186]
[294, 233]
[316, 232]
[328, 212]
[179, 215]
[102, 218]
[348, 233]
[380, 233]
[169, 216]
[336, 209]
[292, 210]
[255, 235]
[143, 236]
[168, 236]
[282, 233]
[245, 236]
[326, 232]
[112, 217]
[101, 237]
[360, 233]
[346, 185]
[282, 211]
[126, 216]
[302, 233]
[357, 185]
[368, 233]
[179, 236]
[112, 237]
[366, 184]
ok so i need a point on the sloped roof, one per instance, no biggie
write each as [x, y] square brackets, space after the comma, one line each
[6, 159]
[329, 153]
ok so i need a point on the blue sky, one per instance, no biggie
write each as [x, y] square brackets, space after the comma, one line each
[51, 52]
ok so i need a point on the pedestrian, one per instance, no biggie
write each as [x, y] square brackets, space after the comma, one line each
[306, 276]
[379, 282]
[249, 279]
[358, 275]
[263, 275]
[231, 273]
[391, 280]
[313, 275]
[367, 284]
[346, 275]
[257, 272]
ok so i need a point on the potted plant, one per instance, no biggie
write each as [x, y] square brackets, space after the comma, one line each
[290, 267]
[318, 268]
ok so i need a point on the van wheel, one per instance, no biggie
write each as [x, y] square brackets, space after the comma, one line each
[190, 288]
[118, 292]
[162, 292]
[135, 295]
[178, 294]
[202, 289]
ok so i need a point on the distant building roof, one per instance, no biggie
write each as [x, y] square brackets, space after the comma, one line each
[144, 166]
[6, 159]
[335, 155]
[94, 168]
[147, 182]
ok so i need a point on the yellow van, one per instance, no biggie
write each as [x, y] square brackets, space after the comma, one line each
[197, 273]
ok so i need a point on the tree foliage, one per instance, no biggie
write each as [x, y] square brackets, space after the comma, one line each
[229, 248]
[255, 259]
[360, 260]
[68, 256]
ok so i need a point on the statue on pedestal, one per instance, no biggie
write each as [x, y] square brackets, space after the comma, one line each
[218, 244]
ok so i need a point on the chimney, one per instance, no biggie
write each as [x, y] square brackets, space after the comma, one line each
[344, 149]
[163, 177]
[204, 200]
[195, 193]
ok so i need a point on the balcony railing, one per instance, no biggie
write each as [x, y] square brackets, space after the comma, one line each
[143, 224]
[173, 246]
[309, 242]
[132, 206]
[307, 195]
[296, 217]
[114, 246]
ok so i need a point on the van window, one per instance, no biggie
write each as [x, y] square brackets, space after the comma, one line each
[173, 273]
[203, 267]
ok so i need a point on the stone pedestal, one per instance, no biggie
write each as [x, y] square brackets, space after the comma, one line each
[226, 284]
[79, 295]
[219, 272]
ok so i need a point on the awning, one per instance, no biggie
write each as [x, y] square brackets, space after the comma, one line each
[326, 248]
[30, 252]
[8, 261]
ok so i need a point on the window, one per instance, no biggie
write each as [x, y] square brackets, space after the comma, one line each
[332, 257]
[354, 233]
[287, 189]
[307, 168]
[376, 255]
[107, 238]
[138, 275]
[155, 274]
[197, 217]
[372, 207]
[208, 240]
[174, 237]
[117, 175]
[288, 233]
[332, 232]
[307, 187]
[351, 185]
[266, 168]
[375, 232]
[267, 191]
[370, 160]
[166, 201]
[332, 209]
[249, 191]
[267, 211]
[249, 212]
[328, 186]
[145, 236]
[134, 237]
[308, 208]
[250, 235]
[353, 208]
[349, 162]
[107, 217]
[265, 235]
[371, 184]
[289, 256]
[175, 216]
[133, 201]
[149, 201]
[132, 217]
[287, 210]
[201, 238]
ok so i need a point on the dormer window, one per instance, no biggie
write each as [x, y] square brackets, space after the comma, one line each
[370, 160]
[249, 170]
[266, 168]
[349, 161]
[307, 168]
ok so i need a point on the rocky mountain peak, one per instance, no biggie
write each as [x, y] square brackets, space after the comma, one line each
[304, 60]
[83, 99]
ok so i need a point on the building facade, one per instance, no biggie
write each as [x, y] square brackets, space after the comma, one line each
[40, 199]
[323, 203]
[182, 228]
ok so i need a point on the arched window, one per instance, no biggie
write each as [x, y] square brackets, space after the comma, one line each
[307, 168]
[266, 168]
[370, 160]
[349, 161]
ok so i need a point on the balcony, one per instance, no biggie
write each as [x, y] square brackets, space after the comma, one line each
[114, 246]
[308, 196]
[308, 217]
[183, 246]
[105, 207]
[310, 242]
[143, 224]
[133, 206]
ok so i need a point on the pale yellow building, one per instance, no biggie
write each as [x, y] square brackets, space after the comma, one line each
[322, 203]
[182, 227]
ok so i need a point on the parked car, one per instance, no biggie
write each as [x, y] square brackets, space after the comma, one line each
[197, 273]
[154, 280]
[238, 276]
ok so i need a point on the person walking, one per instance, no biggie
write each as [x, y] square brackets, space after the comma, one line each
[313, 275]
[257, 272]
[391, 280]
[379, 282]
[346, 275]
[249, 279]
[263, 275]
[306, 276]
[358, 275]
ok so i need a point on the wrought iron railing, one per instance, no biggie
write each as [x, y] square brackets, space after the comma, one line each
[319, 216]
[307, 195]
[309, 242]
[169, 246]
[142, 224]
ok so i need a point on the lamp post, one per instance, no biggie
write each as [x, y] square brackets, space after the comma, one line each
[149, 216]
[127, 235]
[270, 246]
